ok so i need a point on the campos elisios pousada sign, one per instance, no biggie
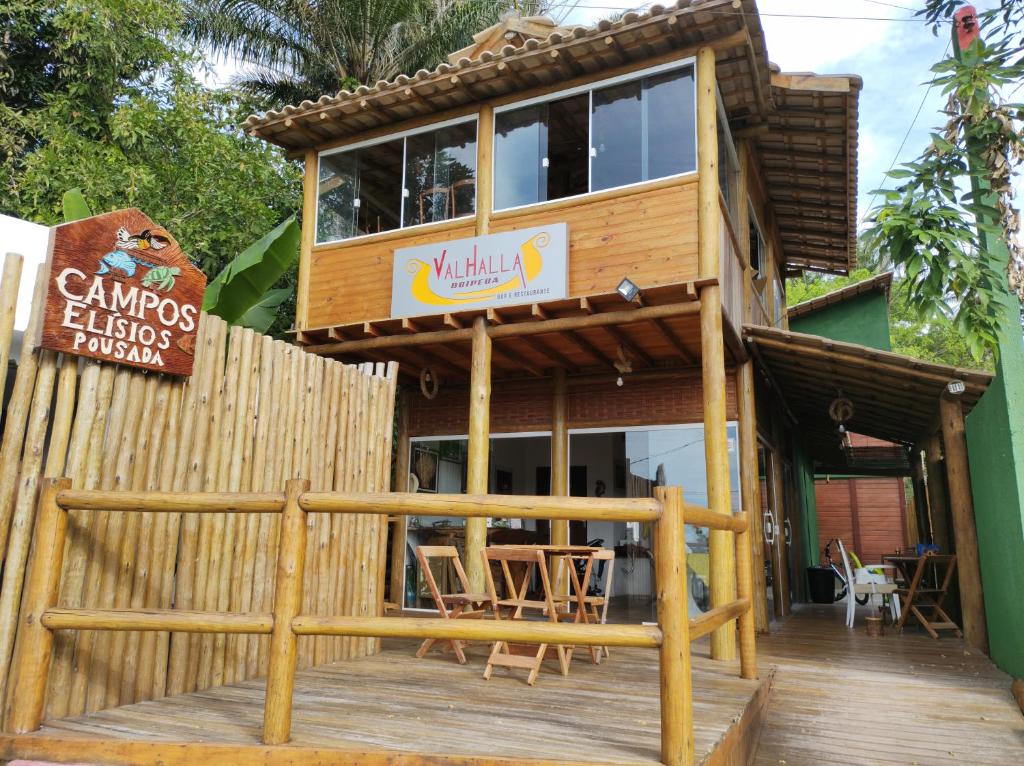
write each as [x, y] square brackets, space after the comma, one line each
[118, 288]
[505, 269]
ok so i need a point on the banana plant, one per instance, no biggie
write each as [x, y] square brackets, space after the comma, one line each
[243, 292]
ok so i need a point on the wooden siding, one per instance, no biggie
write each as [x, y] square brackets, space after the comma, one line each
[867, 513]
[647, 234]
[351, 281]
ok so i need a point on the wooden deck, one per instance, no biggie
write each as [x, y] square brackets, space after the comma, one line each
[841, 697]
[600, 714]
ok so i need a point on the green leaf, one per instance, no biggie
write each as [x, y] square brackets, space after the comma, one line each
[75, 206]
[262, 315]
[243, 282]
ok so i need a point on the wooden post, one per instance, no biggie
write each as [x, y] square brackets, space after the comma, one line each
[35, 643]
[676, 681]
[484, 164]
[744, 588]
[310, 185]
[559, 471]
[721, 548]
[479, 449]
[750, 488]
[938, 502]
[277, 713]
[920, 509]
[399, 526]
[9, 284]
[961, 504]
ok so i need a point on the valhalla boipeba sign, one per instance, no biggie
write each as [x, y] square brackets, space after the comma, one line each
[120, 289]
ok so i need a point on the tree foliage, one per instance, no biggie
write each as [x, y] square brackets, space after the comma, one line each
[950, 224]
[933, 339]
[293, 50]
[100, 95]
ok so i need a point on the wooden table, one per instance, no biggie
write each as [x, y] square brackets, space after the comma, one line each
[917, 596]
[516, 600]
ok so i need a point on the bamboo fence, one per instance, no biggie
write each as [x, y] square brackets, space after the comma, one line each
[255, 413]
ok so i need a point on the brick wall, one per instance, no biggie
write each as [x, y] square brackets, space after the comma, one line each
[659, 399]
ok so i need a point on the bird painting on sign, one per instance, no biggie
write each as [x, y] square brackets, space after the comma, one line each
[120, 289]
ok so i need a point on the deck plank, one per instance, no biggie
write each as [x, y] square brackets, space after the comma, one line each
[840, 696]
[603, 714]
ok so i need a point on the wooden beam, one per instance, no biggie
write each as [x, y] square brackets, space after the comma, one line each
[515, 359]
[589, 348]
[559, 466]
[721, 548]
[484, 169]
[620, 337]
[961, 503]
[307, 237]
[403, 451]
[673, 340]
[750, 486]
[478, 469]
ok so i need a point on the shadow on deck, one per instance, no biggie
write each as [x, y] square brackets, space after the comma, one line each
[607, 713]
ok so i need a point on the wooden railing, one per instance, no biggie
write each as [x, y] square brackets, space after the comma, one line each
[671, 636]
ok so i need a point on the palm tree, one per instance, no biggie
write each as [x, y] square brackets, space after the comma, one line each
[292, 50]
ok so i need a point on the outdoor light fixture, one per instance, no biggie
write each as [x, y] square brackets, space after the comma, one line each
[956, 387]
[628, 289]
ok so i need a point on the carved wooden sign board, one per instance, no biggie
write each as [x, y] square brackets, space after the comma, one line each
[120, 289]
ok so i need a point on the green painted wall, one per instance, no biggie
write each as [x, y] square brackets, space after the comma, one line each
[863, 319]
[995, 440]
[805, 489]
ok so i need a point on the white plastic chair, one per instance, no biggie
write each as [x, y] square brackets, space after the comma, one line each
[863, 581]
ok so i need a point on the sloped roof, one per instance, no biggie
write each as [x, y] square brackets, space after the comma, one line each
[895, 397]
[879, 283]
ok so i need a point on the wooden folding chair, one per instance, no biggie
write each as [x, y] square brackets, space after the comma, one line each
[917, 596]
[451, 606]
[515, 603]
[594, 609]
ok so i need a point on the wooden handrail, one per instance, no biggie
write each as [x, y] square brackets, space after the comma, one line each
[515, 631]
[477, 506]
[171, 502]
[672, 635]
[179, 621]
[717, 617]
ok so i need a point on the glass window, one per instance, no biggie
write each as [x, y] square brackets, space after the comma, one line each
[780, 301]
[540, 152]
[440, 174]
[728, 170]
[757, 244]
[643, 130]
[361, 190]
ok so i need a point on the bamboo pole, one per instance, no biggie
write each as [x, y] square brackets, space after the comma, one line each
[84, 470]
[118, 661]
[110, 540]
[383, 483]
[677, 747]
[400, 527]
[120, 620]
[958, 479]
[326, 532]
[478, 468]
[721, 551]
[63, 415]
[484, 168]
[183, 576]
[19, 539]
[160, 555]
[750, 488]
[9, 284]
[16, 412]
[32, 664]
[310, 184]
[277, 715]
[362, 534]
[345, 481]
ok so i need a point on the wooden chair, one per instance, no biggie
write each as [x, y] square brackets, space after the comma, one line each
[595, 608]
[918, 595]
[516, 603]
[451, 606]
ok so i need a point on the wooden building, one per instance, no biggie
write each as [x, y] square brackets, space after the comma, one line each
[689, 178]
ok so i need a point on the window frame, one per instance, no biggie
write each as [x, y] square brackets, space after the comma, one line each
[589, 88]
[403, 135]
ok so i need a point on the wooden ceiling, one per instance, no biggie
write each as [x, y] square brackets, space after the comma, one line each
[579, 335]
[895, 397]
